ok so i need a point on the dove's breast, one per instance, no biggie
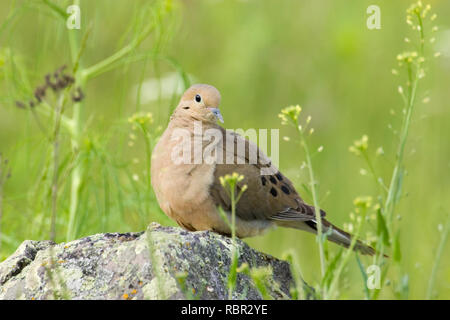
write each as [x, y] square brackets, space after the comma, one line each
[185, 190]
[182, 189]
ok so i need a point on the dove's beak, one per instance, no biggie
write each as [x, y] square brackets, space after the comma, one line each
[217, 113]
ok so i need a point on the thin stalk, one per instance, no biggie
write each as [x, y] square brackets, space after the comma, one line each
[390, 203]
[346, 258]
[373, 173]
[1, 199]
[82, 76]
[103, 65]
[393, 187]
[48, 111]
[438, 259]
[77, 171]
[234, 259]
[56, 130]
[315, 200]
[148, 152]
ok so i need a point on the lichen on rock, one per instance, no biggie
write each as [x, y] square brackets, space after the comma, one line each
[160, 263]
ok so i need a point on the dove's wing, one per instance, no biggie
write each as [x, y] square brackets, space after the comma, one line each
[269, 195]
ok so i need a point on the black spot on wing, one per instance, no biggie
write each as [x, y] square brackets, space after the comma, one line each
[311, 224]
[273, 180]
[263, 181]
[273, 192]
[285, 189]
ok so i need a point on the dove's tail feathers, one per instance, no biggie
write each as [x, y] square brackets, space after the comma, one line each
[335, 234]
[344, 239]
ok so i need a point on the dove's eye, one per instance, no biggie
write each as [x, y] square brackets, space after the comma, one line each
[198, 98]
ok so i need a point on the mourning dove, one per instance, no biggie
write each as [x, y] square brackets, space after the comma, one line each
[187, 184]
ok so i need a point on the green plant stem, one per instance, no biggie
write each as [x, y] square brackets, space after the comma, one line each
[1, 200]
[344, 261]
[82, 76]
[394, 186]
[75, 141]
[54, 191]
[234, 258]
[438, 259]
[148, 156]
[373, 173]
[157, 265]
[315, 201]
[46, 110]
[104, 65]
[389, 205]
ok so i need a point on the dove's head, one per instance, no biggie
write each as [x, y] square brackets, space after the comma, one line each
[200, 102]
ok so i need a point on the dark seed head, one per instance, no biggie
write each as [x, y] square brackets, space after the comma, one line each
[68, 79]
[20, 104]
[39, 93]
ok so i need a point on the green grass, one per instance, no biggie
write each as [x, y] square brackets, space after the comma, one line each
[262, 56]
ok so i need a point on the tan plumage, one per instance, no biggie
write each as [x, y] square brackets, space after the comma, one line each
[190, 192]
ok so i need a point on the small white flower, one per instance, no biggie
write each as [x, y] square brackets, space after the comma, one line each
[350, 227]
[380, 151]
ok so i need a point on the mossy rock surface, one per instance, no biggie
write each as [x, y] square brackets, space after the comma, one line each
[160, 263]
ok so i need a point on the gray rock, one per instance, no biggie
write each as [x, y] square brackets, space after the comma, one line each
[160, 263]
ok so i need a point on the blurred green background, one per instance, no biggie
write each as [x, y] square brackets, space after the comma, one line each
[262, 56]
